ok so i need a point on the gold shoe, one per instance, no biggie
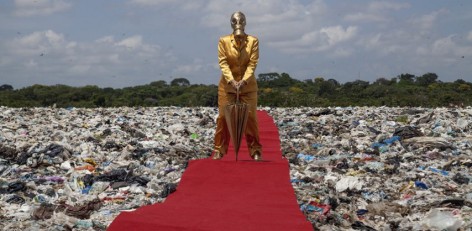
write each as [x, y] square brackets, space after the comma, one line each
[217, 155]
[257, 156]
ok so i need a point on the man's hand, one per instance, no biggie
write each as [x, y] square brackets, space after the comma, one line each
[234, 83]
[242, 83]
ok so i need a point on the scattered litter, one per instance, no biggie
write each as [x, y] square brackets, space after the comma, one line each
[379, 172]
[77, 169]
[352, 168]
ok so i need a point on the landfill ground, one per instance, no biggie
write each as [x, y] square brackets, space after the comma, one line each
[352, 168]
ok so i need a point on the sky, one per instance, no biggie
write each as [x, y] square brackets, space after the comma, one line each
[123, 43]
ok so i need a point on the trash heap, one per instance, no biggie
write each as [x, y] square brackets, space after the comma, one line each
[380, 168]
[64, 169]
[360, 168]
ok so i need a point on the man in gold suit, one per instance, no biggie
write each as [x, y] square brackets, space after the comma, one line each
[238, 54]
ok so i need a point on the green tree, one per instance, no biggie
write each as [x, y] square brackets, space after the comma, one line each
[426, 79]
[6, 87]
[406, 79]
[382, 81]
[181, 82]
[327, 88]
[464, 87]
[159, 83]
[280, 90]
[460, 81]
[334, 82]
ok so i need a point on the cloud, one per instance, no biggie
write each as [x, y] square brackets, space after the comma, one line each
[338, 34]
[443, 46]
[443, 52]
[262, 13]
[194, 68]
[342, 52]
[27, 8]
[379, 43]
[289, 26]
[131, 42]
[316, 41]
[321, 31]
[448, 46]
[426, 21]
[265, 19]
[303, 27]
[38, 43]
[365, 17]
[384, 5]
[190, 68]
[377, 11]
[181, 4]
[152, 2]
[47, 53]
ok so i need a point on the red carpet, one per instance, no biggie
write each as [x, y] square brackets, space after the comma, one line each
[228, 195]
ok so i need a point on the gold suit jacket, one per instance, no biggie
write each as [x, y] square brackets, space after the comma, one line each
[238, 62]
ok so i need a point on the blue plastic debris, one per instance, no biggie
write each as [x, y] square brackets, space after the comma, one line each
[86, 190]
[317, 146]
[361, 212]
[443, 172]
[421, 185]
[305, 157]
[435, 170]
[392, 140]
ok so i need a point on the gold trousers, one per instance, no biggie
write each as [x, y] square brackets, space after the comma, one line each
[222, 136]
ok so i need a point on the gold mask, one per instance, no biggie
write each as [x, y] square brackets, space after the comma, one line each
[238, 22]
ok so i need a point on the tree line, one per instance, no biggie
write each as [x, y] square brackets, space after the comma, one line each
[275, 90]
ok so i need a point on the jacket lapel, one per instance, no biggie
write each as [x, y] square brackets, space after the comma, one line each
[235, 44]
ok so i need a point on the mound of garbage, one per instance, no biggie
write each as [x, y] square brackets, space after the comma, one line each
[366, 168]
[379, 168]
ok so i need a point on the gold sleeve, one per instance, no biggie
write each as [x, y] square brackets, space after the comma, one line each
[223, 62]
[253, 60]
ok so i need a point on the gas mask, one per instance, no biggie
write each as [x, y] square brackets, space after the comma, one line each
[238, 22]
